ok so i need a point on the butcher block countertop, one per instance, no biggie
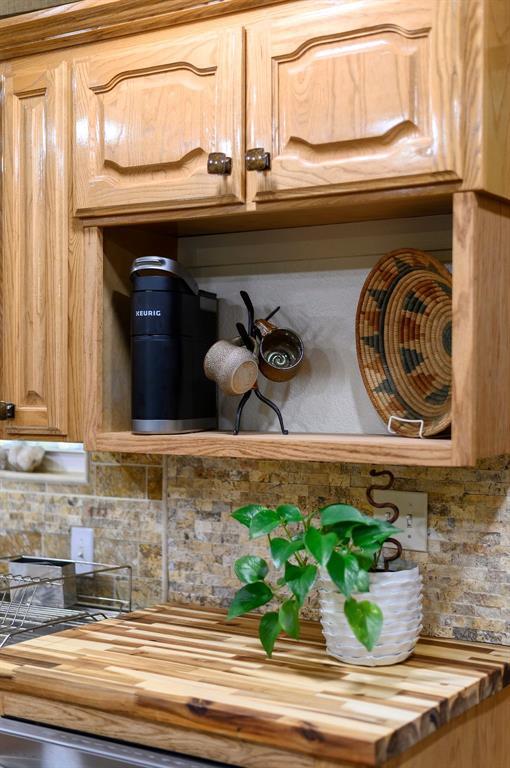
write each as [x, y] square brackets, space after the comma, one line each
[183, 678]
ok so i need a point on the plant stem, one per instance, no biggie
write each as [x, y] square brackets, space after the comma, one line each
[302, 562]
[308, 520]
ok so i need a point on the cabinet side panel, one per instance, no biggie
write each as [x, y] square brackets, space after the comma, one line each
[77, 339]
[492, 339]
[463, 329]
[496, 113]
[470, 68]
[484, 45]
[481, 333]
[93, 328]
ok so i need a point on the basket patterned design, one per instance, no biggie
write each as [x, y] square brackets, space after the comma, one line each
[403, 340]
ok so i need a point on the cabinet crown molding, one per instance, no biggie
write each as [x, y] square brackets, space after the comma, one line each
[87, 21]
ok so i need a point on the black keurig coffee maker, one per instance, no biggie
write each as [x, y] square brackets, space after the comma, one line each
[173, 324]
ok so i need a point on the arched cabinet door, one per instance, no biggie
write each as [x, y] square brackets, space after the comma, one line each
[353, 96]
[149, 115]
[35, 241]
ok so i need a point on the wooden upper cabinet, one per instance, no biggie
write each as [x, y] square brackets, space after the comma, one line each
[147, 116]
[353, 95]
[35, 249]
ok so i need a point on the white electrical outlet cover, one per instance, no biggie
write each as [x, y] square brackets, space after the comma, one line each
[82, 547]
[413, 510]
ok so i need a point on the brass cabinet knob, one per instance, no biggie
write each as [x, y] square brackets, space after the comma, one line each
[257, 159]
[219, 163]
[7, 410]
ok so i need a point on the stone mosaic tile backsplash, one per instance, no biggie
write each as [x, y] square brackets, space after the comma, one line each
[121, 502]
[466, 569]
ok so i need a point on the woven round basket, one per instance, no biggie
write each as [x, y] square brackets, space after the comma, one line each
[403, 341]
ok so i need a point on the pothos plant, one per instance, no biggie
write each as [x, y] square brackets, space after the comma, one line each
[346, 544]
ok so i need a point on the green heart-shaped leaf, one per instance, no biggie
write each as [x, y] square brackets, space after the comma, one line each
[244, 515]
[342, 513]
[363, 583]
[365, 619]
[251, 568]
[342, 530]
[264, 521]
[320, 545]
[366, 562]
[282, 549]
[269, 629]
[289, 513]
[300, 580]
[344, 572]
[372, 536]
[249, 597]
[288, 616]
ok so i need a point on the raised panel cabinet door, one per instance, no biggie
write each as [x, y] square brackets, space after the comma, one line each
[352, 95]
[34, 253]
[147, 117]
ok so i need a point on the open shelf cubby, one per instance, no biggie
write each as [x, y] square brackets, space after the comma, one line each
[315, 273]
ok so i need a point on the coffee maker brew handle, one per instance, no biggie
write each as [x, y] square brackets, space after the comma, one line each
[163, 264]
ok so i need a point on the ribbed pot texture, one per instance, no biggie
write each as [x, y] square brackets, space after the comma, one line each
[399, 596]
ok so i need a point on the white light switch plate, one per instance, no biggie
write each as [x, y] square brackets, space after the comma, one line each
[82, 547]
[412, 520]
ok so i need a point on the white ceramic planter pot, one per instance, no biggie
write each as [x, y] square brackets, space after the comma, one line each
[399, 596]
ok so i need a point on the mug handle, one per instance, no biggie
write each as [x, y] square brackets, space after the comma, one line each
[264, 327]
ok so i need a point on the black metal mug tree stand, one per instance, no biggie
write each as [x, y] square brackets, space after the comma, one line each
[247, 336]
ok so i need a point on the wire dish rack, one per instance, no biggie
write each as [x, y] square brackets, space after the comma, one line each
[102, 591]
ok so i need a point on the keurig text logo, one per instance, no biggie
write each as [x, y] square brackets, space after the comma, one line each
[148, 313]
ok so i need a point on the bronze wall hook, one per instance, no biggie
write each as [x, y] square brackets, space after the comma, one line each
[386, 505]
[387, 487]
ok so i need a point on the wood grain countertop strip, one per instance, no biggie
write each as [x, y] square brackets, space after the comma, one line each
[186, 667]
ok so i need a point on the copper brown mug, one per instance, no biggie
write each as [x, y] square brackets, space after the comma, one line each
[281, 351]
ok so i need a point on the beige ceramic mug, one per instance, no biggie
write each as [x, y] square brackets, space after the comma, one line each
[233, 367]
